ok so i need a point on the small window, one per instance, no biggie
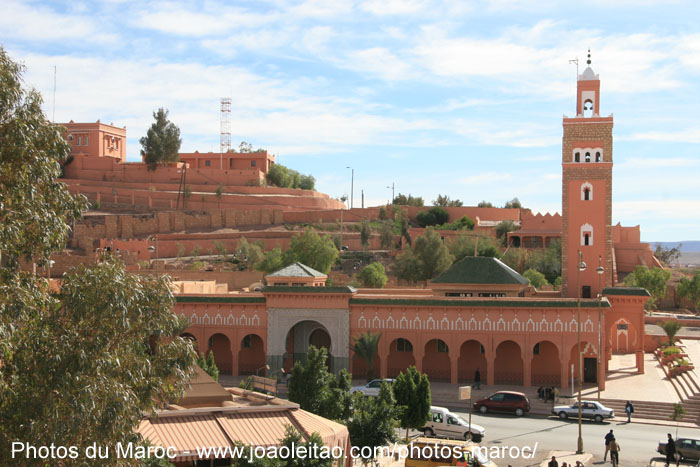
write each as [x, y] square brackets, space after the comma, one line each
[252, 163]
[246, 343]
[586, 291]
[442, 347]
[588, 157]
[70, 138]
[403, 345]
[586, 194]
[207, 163]
[80, 140]
[586, 239]
[85, 141]
[577, 157]
[597, 157]
[622, 326]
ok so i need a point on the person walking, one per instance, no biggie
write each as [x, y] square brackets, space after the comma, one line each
[553, 462]
[629, 409]
[670, 450]
[609, 437]
[614, 452]
[477, 379]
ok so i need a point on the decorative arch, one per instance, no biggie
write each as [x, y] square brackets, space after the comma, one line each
[586, 234]
[546, 368]
[220, 345]
[586, 191]
[472, 355]
[400, 356]
[508, 365]
[436, 360]
[251, 356]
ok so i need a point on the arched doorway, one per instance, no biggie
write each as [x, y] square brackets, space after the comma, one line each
[300, 337]
[623, 336]
[220, 345]
[472, 355]
[436, 360]
[508, 365]
[545, 368]
[251, 356]
[589, 360]
[400, 356]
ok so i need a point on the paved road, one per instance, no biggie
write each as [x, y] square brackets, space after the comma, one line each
[637, 441]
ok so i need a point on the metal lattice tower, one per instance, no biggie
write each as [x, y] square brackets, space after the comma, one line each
[225, 124]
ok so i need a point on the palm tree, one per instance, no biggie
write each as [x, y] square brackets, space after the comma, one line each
[671, 328]
[366, 347]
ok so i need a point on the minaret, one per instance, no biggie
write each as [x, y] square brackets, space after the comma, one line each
[587, 190]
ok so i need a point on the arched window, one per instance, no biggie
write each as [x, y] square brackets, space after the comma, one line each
[598, 157]
[588, 108]
[403, 345]
[577, 157]
[588, 157]
[586, 191]
[586, 235]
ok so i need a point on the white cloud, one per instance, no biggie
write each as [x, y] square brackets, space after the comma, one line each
[487, 178]
[380, 61]
[393, 7]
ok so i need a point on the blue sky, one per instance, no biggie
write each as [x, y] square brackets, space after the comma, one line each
[458, 98]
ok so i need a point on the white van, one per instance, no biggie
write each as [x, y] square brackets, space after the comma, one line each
[446, 424]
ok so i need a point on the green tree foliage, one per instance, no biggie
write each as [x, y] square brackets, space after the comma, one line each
[208, 364]
[652, 279]
[249, 255]
[365, 233]
[313, 250]
[433, 216]
[690, 289]
[284, 177]
[671, 328]
[557, 283]
[386, 235]
[220, 248]
[502, 229]
[373, 420]
[373, 275]
[484, 204]
[382, 213]
[403, 200]
[463, 223]
[445, 201]
[292, 440]
[428, 258]
[668, 256]
[513, 204]
[81, 366]
[162, 141]
[315, 389]
[545, 260]
[366, 347]
[536, 278]
[412, 394]
[463, 245]
[35, 208]
[402, 224]
[271, 262]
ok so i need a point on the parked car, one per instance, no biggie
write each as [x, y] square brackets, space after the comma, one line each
[589, 409]
[446, 424]
[504, 401]
[371, 388]
[437, 456]
[687, 448]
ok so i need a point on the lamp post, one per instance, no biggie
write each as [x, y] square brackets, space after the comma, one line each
[600, 270]
[352, 184]
[392, 192]
[151, 248]
[581, 267]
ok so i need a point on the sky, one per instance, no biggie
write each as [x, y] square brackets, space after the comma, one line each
[460, 98]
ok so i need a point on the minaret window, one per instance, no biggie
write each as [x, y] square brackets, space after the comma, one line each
[588, 157]
[586, 235]
[577, 157]
[588, 108]
[597, 157]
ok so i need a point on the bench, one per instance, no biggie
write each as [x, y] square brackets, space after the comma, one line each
[265, 384]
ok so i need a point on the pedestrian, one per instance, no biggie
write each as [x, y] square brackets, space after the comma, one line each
[609, 437]
[556, 394]
[614, 452]
[670, 450]
[553, 462]
[629, 409]
[477, 379]
[540, 392]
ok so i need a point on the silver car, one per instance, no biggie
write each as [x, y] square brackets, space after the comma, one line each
[589, 409]
[372, 388]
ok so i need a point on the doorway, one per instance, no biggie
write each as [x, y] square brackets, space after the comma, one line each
[590, 370]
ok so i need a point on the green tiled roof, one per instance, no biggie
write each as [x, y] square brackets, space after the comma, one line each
[297, 270]
[210, 299]
[480, 270]
[303, 289]
[637, 291]
[501, 303]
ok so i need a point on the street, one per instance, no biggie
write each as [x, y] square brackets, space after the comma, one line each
[637, 441]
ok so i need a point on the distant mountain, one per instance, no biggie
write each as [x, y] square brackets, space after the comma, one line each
[690, 246]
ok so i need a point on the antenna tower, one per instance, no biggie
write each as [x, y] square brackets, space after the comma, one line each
[225, 124]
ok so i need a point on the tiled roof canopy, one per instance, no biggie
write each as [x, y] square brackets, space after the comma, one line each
[297, 270]
[480, 270]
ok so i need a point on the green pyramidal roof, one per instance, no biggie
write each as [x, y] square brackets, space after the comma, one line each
[480, 270]
[297, 270]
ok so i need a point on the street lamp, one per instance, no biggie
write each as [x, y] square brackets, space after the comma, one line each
[392, 191]
[266, 367]
[581, 267]
[151, 248]
[352, 184]
[600, 270]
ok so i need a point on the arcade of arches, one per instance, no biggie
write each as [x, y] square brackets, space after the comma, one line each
[510, 341]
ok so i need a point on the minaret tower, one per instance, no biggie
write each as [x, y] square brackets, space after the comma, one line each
[587, 191]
